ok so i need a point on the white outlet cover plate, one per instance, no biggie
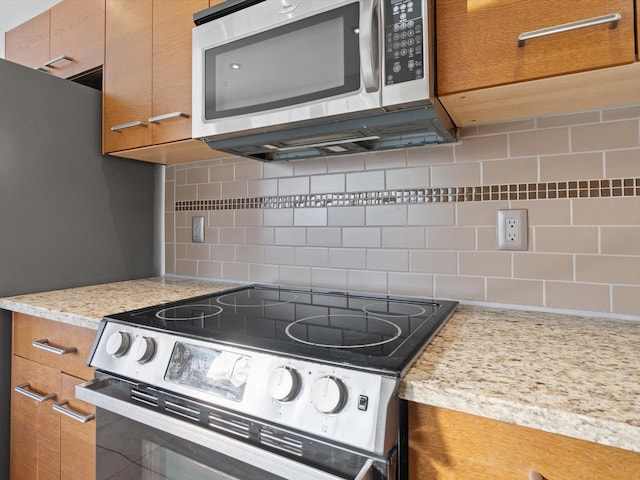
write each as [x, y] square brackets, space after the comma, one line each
[522, 242]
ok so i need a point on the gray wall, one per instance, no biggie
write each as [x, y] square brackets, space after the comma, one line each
[69, 216]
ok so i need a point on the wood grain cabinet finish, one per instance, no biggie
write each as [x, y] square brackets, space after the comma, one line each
[77, 33]
[45, 443]
[65, 41]
[448, 445]
[478, 47]
[28, 43]
[147, 81]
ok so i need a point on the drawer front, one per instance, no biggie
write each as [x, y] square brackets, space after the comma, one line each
[478, 43]
[55, 344]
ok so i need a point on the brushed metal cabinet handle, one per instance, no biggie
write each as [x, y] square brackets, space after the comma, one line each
[123, 126]
[57, 59]
[23, 389]
[612, 19]
[43, 344]
[535, 476]
[59, 407]
[167, 116]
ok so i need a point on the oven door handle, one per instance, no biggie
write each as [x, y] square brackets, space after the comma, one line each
[267, 461]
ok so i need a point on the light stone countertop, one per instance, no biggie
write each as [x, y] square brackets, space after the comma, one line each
[569, 375]
[85, 306]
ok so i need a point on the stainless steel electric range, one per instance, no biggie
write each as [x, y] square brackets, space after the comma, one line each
[258, 382]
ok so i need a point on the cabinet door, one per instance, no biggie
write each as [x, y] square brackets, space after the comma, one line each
[172, 25]
[28, 329]
[449, 445]
[35, 427]
[77, 32]
[127, 74]
[478, 41]
[77, 439]
[28, 43]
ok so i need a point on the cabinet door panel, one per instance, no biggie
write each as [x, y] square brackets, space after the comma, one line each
[77, 31]
[449, 445]
[172, 25]
[35, 427]
[77, 440]
[27, 329]
[127, 73]
[478, 41]
[28, 43]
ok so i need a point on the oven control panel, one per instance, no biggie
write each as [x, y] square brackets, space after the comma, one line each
[403, 55]
[314, 398]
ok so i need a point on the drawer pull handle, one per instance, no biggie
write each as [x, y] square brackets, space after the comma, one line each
[57, 59]
[43, 344]
[123, 126]
[41, 69]
[58, 407]
[535, 476]
[167, 116]
[23, 389]
[612, 19]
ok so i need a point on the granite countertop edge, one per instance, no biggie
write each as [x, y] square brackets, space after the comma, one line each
[458, 370]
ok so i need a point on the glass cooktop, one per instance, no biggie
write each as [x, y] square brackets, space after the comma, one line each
[365, 331]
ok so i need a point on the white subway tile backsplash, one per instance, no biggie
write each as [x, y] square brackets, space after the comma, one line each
[404, 237]
[386, 215]
[365, 237]
[416, 177]
[291, 236]
[365, 181]
[346, 216]
[431, 214]
[328, 183]
[311, 217]
[324, 237]
[282, 217]
[388, 260]
[293, 186]
[421, 221]
[348, 258]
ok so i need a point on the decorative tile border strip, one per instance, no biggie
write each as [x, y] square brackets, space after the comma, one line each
[622, 187]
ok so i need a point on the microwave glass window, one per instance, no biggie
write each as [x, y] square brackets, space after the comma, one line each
[313, 58]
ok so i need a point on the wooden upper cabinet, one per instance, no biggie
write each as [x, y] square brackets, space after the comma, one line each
[478, 47]
[77, 32]
[147, 75]
[65, 41]
[28, 43]
[127, 74]
[172, 25]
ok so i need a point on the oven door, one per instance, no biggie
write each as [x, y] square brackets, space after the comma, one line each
[138, 443]
[275, 64]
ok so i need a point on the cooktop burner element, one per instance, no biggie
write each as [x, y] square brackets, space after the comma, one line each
[343, 331]
[368, 332]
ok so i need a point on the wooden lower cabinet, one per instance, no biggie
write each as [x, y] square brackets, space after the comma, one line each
[46, 444]
[448, 445]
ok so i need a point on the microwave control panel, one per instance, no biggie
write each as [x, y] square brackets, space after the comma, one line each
[404, 41]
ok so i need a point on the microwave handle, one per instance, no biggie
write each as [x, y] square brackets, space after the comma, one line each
[263, 459]
[368, 43]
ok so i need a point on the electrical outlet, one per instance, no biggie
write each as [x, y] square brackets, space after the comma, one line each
[512, 229]
[197, 229]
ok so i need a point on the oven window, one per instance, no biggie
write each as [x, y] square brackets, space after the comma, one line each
[128, 450]
[313, 58]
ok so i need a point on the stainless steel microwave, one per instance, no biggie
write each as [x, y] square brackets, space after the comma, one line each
[285, 77]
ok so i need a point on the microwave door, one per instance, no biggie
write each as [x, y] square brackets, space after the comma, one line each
[320, 63]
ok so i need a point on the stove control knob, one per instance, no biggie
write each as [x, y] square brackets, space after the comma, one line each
[284, 384]
[328, 395]
[143, 349]
[118, 344]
